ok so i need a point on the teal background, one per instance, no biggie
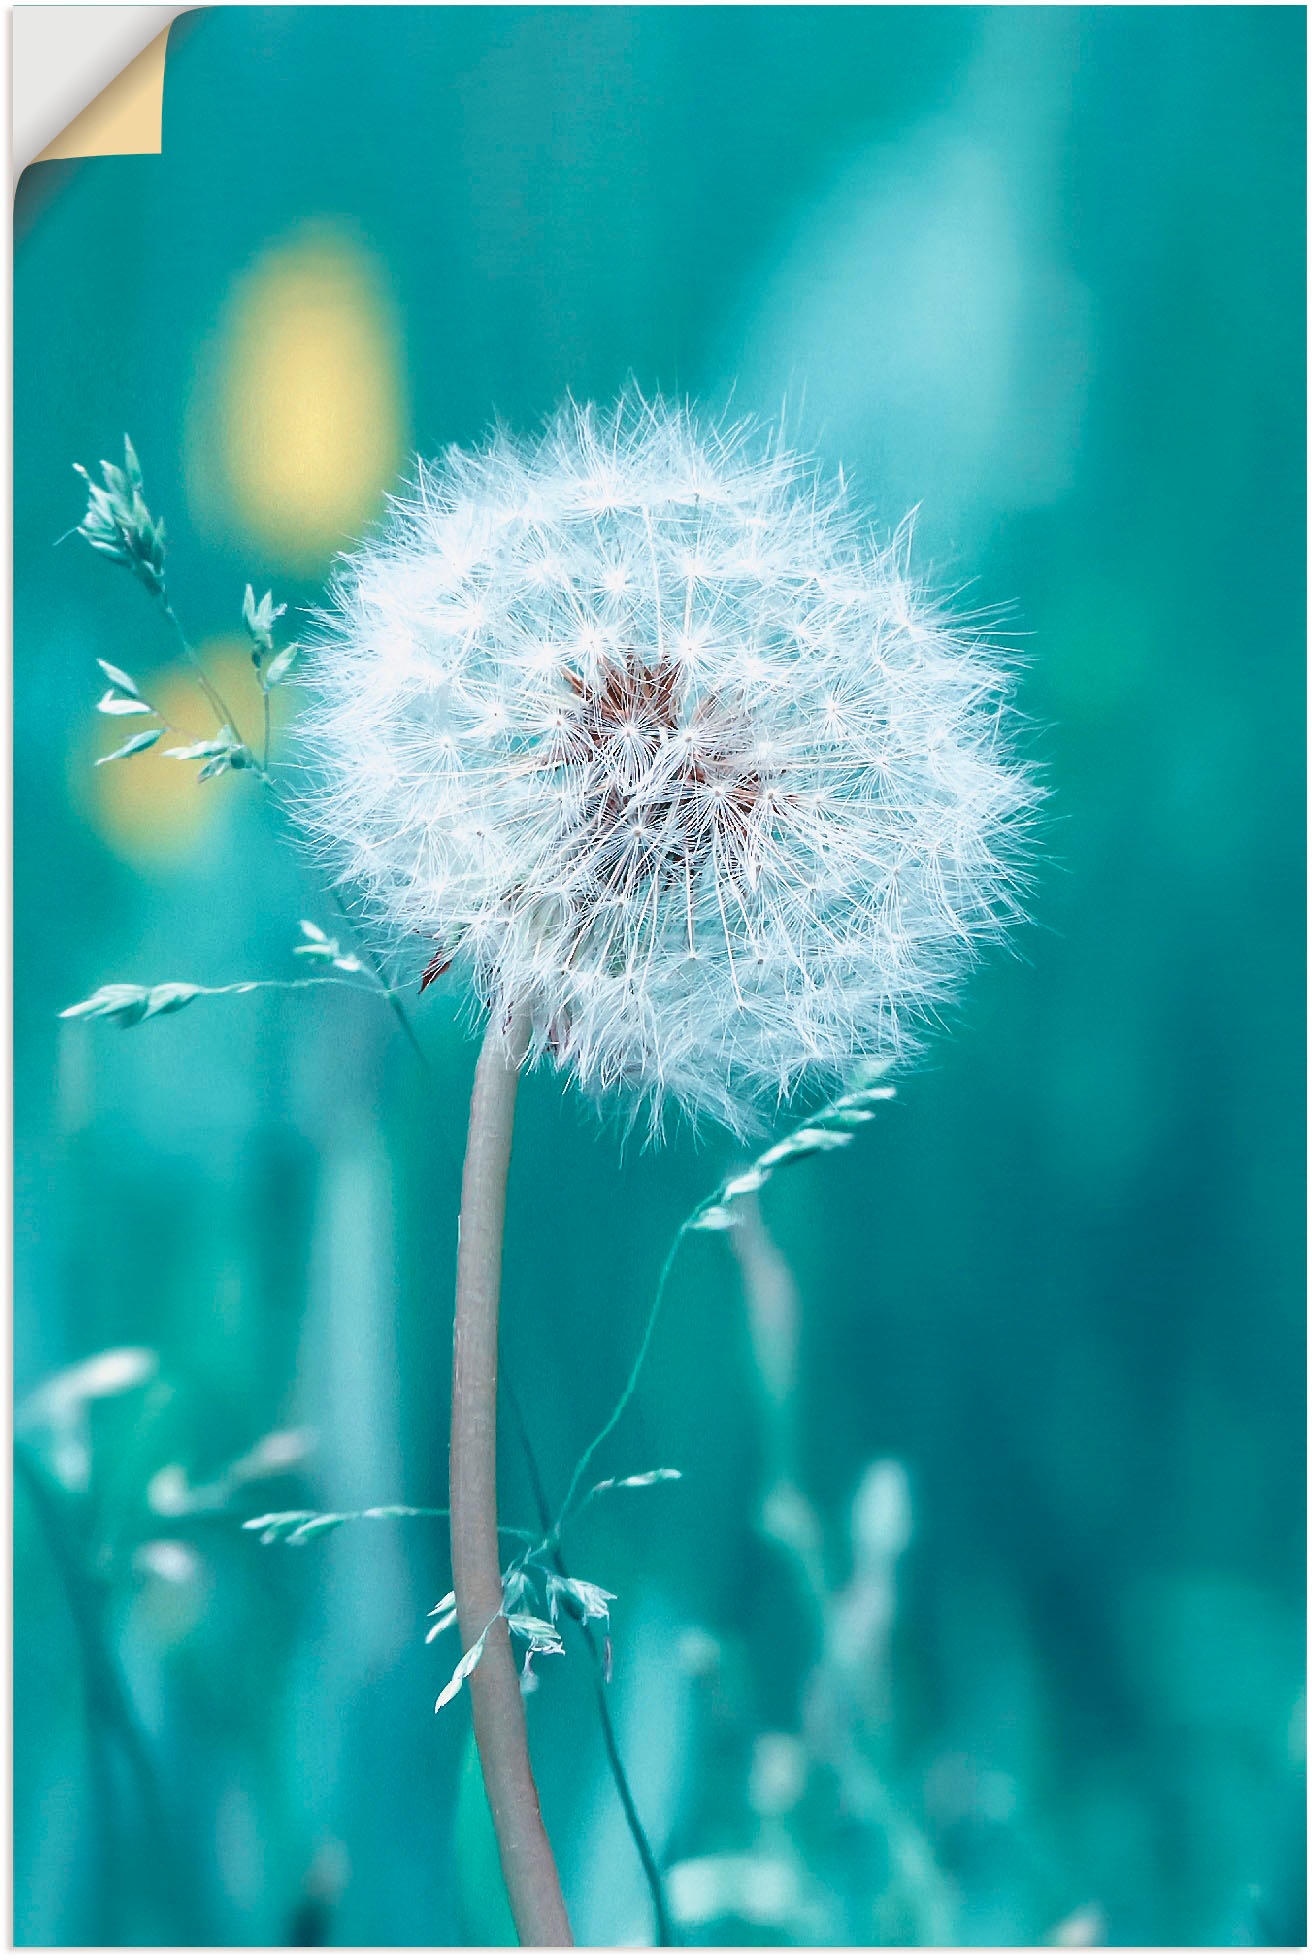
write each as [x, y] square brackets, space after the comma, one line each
[1040, 271]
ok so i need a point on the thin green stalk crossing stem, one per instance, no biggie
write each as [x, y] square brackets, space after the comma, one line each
[642, 1844]
[630, 1387]
[527, 1862]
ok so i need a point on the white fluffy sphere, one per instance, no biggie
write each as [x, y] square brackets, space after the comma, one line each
[635, 725]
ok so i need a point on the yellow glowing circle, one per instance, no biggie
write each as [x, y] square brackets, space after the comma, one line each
[299, 427]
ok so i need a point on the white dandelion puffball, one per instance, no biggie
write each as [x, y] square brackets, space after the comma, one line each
[635, 726]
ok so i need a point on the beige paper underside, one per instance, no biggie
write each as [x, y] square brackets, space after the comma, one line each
[125, 119]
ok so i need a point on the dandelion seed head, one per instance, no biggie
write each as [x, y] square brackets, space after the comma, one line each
[636, 727]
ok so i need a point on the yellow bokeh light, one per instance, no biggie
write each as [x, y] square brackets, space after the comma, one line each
[150, 808]
[298, 425]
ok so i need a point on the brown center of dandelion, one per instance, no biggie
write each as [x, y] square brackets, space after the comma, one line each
[654, 793]
[662, 790]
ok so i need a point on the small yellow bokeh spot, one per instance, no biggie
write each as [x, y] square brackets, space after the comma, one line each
[149, 808]
[298, 426]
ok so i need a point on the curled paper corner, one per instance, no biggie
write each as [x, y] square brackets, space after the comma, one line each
[89, 81]
[125, 119]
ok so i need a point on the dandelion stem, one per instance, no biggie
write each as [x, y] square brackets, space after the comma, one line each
[527, 1862]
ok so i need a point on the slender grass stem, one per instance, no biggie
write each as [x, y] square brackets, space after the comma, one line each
[641, 1842]
[109, 1705]
[630, 1386]
[261, 770]
[527, 1862]
[374, 965]
[207, 686]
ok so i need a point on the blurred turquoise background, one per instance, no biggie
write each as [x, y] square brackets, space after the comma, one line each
[1041, 272]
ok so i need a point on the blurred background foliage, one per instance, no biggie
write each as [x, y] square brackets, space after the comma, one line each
[977, 1615]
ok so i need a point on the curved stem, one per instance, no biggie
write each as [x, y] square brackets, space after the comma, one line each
[527, 1862]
